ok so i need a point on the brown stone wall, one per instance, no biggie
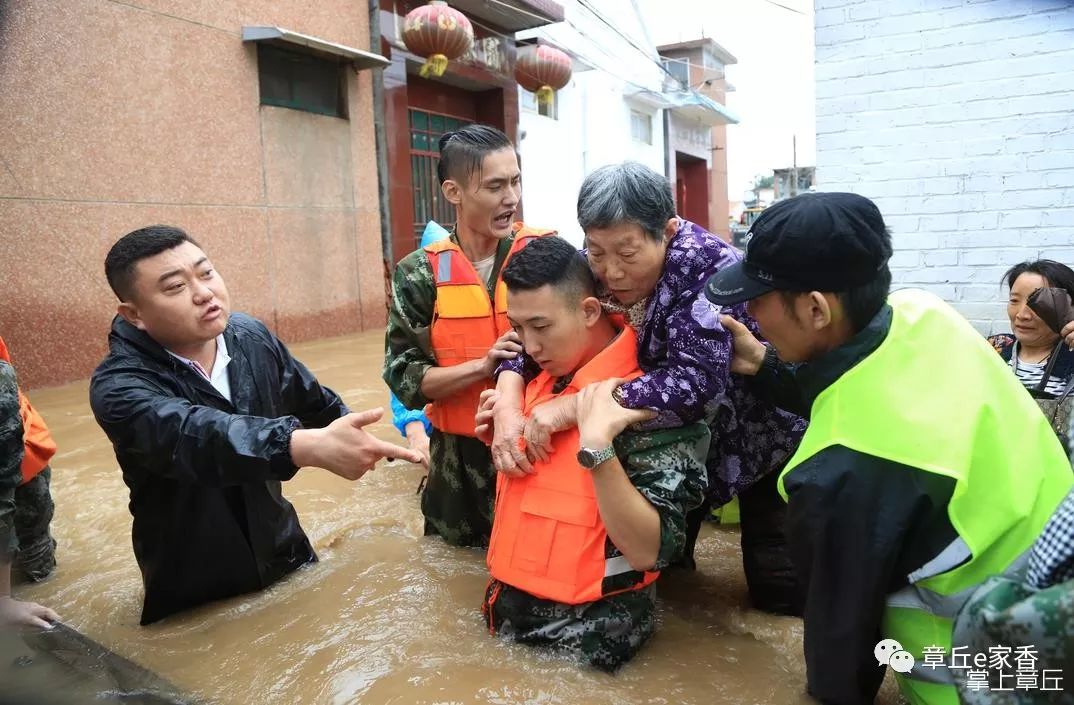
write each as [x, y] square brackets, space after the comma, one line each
[115, 116]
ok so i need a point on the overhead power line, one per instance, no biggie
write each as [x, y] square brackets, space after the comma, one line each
[583, 56]
[629, 40]
[785, 7]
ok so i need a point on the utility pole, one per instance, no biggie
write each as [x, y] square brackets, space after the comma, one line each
[794, 165]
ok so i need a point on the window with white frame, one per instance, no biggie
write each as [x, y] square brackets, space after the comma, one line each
[529, 103]
[641, 126]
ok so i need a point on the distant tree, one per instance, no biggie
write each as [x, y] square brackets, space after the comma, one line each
[763, 182]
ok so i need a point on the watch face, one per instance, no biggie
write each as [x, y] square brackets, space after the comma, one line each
[586, 458]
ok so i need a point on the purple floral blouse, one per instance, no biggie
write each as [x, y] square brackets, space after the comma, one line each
[686, 355]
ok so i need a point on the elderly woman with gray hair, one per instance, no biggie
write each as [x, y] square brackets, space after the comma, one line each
[652, 266]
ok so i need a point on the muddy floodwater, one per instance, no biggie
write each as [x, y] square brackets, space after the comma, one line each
[387, 616]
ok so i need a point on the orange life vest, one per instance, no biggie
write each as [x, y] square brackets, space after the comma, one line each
[466, 323]
[37, 441]
[547, 535]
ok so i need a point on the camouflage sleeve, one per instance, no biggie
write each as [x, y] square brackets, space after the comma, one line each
[668, 467]
[11, 450]
[408, 350]
[1070, 439]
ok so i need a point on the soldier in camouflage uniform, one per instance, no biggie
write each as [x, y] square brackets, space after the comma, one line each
[479, 173]
[35, 557]
[457, 497]
[1037, 612]
[549, 287]
[10, 458]
[34, 508]
[667, 466]
[12, 612]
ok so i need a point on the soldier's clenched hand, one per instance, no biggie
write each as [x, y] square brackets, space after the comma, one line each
[600, 416]
[749, 352]
[506, 347]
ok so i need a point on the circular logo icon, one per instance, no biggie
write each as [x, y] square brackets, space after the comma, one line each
[884, 649]
[902, 661]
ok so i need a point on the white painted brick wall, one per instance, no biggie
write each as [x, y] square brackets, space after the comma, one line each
[957, 118]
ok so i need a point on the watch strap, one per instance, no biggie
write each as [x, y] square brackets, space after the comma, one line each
[598, 456]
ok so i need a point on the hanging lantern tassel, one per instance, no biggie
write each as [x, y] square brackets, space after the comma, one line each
[543, 70]
[435, 65]
[438, 33]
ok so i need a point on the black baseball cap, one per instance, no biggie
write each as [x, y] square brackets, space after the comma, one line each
[829, 242]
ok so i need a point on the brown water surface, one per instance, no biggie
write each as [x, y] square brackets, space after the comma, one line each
[387, 616]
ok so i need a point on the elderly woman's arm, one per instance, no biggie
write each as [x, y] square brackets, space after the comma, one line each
[508, 424]
[515, 440]
[695, 371]
[693, 374]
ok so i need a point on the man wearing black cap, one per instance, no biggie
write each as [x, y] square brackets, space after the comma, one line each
[924, 469]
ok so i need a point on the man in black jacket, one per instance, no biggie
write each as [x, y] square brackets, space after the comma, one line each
[208, 412]
[881, 516]
[847, 560]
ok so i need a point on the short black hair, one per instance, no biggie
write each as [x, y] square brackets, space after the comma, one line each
[135, 246]
[462, 151]
[553, 261]
[860, 303]
[1056, 274]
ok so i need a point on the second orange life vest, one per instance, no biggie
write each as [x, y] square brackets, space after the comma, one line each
[38, 445]
[466, 323]
[547, 535]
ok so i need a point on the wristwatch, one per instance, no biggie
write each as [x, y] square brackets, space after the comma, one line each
[590, 458]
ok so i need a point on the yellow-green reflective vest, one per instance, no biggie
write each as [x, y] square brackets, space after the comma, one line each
[936, 397]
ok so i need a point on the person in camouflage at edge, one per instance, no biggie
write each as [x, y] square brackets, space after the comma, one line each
[34, 508]
[1037, 612]
[641, 492]
[479, 174]
[35, 557]
[12, 612]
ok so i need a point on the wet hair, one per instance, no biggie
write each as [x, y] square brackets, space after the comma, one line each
[1056, 274]
[134, 247]
[626, 193]
[463, 151]
[554, 262]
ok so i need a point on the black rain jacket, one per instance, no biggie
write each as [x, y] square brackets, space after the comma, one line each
[204, 473]
[857, 525]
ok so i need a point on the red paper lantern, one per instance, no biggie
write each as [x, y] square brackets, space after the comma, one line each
[439, 33]
[543, 70]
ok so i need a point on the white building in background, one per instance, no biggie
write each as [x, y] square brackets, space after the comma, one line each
[957, 118]
[593, 121]
[612, 110]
